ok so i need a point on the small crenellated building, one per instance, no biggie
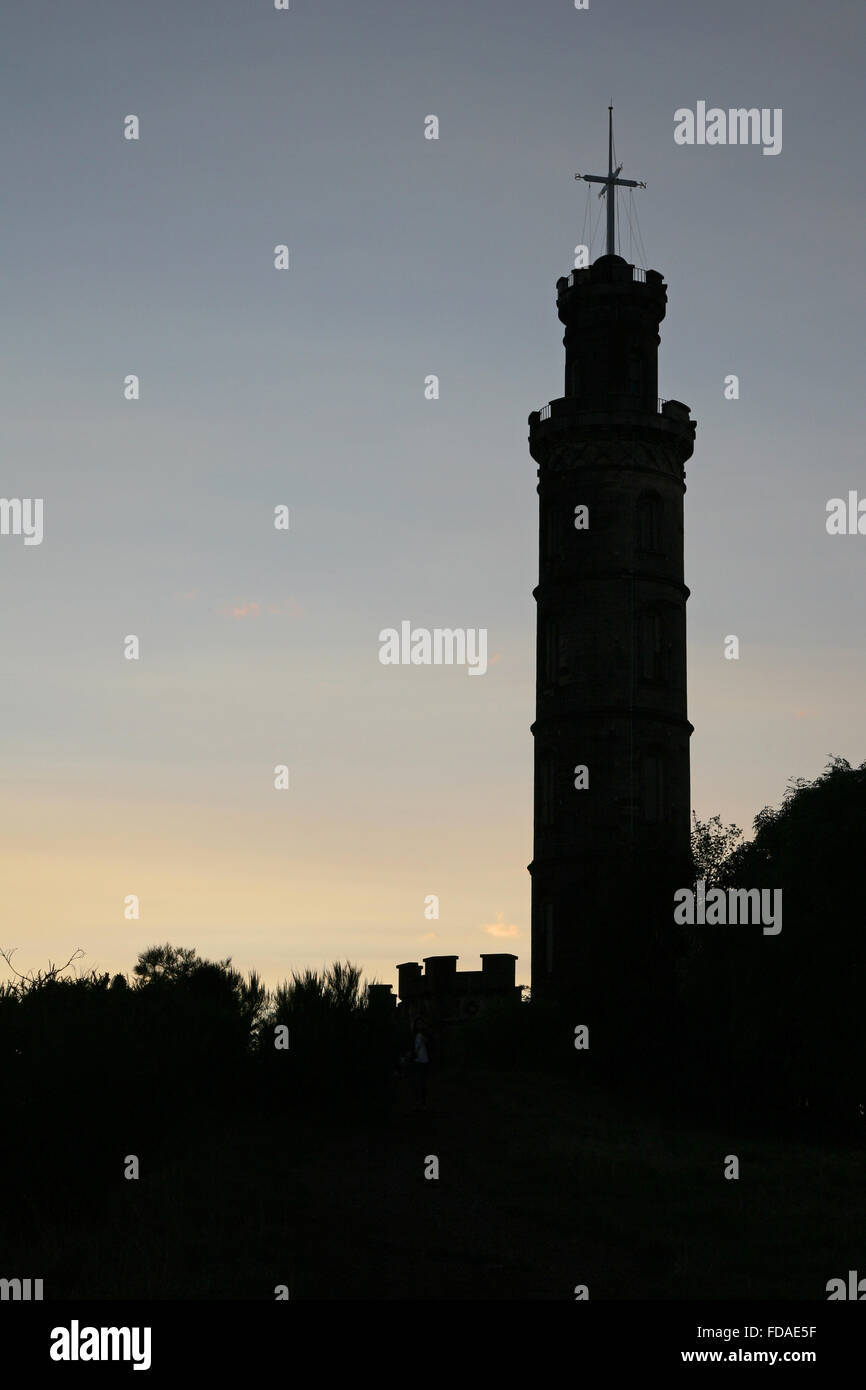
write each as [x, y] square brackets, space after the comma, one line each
[442, 993]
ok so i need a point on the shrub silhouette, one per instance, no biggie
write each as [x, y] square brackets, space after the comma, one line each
[339, 1050]
[780, 1020]
[100, 1067]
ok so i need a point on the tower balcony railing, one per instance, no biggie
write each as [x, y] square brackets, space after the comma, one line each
[575, 411]
[568, 405]
[637, 274]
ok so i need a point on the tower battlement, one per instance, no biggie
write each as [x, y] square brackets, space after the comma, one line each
[562, 412]
[610, 272]
[449, 994]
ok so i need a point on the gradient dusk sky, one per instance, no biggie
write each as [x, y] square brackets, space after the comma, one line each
[306, 387]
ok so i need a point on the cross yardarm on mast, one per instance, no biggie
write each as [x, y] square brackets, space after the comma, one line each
[611, 183]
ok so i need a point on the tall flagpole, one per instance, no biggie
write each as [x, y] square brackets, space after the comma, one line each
[610, 184]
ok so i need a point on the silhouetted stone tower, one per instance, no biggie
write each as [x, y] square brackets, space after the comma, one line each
[611, 660]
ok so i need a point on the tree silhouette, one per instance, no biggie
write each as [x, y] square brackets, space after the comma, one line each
[712, 844]
[785, 1014]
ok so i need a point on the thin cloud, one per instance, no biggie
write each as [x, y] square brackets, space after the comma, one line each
[499, 928]
[283, 608]
[241, 610]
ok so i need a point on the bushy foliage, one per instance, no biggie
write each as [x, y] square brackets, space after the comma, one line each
[102, 1066]
[781, 1019]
